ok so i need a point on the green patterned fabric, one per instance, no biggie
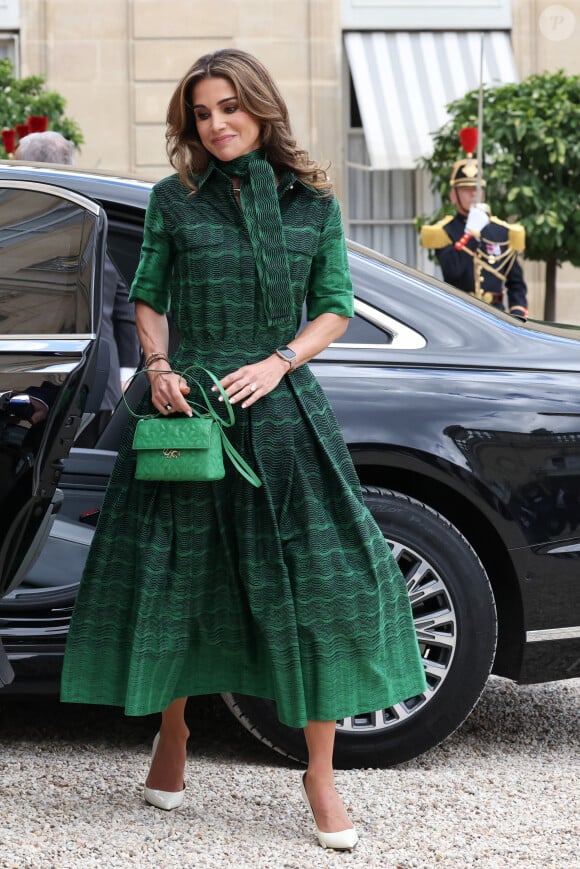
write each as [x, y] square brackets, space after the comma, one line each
[261, 210]
[288, 591]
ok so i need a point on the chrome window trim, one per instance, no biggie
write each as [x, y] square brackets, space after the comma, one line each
[75, 343]
[550, 634]
[79, 174]
[59, 192]
[403, 338]
[564, 549]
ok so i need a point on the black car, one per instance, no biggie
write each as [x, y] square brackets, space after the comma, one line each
[463, 423]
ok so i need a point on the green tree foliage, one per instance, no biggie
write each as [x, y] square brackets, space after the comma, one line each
[22, 97]
[531, 159]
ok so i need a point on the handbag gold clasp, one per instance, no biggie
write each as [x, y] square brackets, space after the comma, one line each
[171, 454]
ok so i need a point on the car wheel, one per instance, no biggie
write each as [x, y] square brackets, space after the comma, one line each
[455, 618]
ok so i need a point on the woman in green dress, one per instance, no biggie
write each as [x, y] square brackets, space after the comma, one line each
[288, 591]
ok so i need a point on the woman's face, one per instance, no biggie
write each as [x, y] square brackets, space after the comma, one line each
[225, 130]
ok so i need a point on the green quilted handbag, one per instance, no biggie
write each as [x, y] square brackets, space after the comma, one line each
[187, 448]
[174, 450]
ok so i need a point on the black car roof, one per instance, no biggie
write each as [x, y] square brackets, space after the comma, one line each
[96, 185]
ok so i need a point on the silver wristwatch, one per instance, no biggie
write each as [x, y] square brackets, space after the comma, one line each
[288, 355]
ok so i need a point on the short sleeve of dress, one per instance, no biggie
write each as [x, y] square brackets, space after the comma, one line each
[151, 282]
[330, 286]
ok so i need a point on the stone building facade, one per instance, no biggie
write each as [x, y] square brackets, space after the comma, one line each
[117, 63]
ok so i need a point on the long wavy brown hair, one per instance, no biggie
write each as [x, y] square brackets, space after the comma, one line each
[258, 95]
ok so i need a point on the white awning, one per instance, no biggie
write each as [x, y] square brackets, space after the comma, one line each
[403, 82]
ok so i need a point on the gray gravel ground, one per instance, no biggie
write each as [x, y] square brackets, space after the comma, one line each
[503, 792]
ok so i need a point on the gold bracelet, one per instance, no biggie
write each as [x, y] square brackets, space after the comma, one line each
[153, 357]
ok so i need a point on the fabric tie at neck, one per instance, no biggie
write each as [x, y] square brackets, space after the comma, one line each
[259, 198]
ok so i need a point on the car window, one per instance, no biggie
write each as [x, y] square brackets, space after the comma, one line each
[372, 327]
[360, 331]
[124, 239]
[41, 240]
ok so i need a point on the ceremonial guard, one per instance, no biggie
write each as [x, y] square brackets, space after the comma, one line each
[477, 252]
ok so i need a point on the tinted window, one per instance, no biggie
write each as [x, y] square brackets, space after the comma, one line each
[124, 239]
[44, 278]
[360, 331]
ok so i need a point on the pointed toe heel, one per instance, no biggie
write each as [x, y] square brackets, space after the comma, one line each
[166, 800]
[343, 840]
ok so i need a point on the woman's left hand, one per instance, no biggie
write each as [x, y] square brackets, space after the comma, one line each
[251, 382]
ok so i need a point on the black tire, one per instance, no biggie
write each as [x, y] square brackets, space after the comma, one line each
[454, 593]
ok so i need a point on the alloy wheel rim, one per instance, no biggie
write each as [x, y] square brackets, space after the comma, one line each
[436, 626]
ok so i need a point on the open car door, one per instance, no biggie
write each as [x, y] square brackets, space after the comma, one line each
[51, 258]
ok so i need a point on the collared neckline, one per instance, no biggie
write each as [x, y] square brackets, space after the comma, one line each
[287, 179]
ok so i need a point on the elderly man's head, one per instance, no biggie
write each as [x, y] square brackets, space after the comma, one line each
[49, 147]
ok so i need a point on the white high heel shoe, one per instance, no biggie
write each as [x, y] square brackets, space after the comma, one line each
[166, 800]
[343, 840]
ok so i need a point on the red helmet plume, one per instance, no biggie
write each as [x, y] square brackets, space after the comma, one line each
[468, 139]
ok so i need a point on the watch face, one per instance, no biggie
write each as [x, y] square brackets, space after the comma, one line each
[286, 353]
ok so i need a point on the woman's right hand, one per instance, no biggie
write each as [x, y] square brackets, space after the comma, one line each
[168, 390]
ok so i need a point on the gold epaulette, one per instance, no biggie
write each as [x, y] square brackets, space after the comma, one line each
[433, 235]
[516, 234]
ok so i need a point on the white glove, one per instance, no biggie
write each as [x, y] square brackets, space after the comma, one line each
[477, 218]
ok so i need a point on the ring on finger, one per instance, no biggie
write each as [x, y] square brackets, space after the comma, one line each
[252, 387]
[168, 407]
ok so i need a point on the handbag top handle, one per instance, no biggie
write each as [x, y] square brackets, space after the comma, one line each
[236, 459]
[193, 404]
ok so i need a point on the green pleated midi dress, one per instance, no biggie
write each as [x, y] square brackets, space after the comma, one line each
[288, 591]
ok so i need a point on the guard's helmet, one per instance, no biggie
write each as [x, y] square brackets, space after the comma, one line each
[465, 172]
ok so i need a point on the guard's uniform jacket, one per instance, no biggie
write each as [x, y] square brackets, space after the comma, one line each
[494, 255]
